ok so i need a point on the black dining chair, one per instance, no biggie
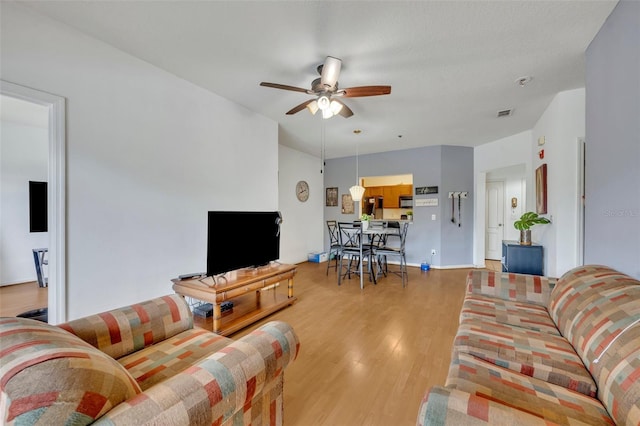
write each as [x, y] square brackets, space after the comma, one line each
[352, 247]
[334, 244]
[388, 250]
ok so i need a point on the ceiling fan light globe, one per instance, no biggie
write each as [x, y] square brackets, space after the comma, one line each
[335, 107]
[327, 113]
[323, 102]
[313, 107]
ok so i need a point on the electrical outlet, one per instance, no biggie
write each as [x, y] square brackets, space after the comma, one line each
[433, 252]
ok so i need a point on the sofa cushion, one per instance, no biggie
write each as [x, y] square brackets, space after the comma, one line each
[158, 362]
[523, 315]
[446, 406]
[545, 400]
[542, 355]
[517, 287]
[49, 376]
[122, 331]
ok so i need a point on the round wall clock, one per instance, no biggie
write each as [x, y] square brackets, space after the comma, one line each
[302, 191]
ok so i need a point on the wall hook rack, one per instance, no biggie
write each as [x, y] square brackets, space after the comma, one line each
[458, 194]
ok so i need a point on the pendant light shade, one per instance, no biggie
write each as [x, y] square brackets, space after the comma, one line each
[356, 192]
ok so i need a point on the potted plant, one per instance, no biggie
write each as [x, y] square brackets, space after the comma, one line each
[409, 214]
[365, 218]
[525, 223]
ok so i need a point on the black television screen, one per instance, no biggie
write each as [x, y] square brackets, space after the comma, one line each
[241, 239]
[38, 212]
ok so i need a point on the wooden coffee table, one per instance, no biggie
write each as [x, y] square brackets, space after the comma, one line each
[244, 288]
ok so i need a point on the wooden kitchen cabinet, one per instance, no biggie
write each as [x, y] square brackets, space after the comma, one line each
[390, 195]
[405, 190]
[374, 191]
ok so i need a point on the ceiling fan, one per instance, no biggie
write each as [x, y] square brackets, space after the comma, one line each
[325, 89]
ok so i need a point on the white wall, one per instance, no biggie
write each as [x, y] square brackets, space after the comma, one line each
[302, 226]
[506, 152]
[23, 157]
[148, 154]
[562, 123]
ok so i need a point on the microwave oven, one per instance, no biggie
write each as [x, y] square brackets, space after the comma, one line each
[406, 201]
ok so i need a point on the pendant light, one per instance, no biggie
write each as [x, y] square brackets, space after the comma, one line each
[357, 191]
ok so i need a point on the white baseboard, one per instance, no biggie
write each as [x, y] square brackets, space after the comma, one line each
[450, 266]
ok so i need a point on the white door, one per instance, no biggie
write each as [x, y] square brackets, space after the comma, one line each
[495, 220]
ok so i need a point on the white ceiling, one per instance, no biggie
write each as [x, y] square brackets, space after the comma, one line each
[451, 64]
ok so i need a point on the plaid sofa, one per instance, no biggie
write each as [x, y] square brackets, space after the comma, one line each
[535, 351]
[141, 364]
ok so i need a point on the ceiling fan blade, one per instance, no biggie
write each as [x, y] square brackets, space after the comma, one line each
[299, 107]
[356, 92]
[330, 72]
[345, 111]
[283, 87]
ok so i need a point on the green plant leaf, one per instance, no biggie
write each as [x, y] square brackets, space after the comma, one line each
[528, 219]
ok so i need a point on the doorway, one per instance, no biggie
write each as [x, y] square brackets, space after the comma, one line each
[56, 137]
[504, 202]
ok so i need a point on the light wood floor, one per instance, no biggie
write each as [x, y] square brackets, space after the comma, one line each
[366, 356]
[493, 265]
[19, 298]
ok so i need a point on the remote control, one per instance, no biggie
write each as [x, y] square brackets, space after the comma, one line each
[190, 276]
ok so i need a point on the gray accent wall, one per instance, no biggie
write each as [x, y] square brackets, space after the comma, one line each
[448, 167]
[612, 177]
[457, 176]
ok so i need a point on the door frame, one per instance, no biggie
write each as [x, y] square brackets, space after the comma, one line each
[581, 146]
[56, 197]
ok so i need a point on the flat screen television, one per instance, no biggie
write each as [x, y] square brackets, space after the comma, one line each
[38, 214]
[241, 239]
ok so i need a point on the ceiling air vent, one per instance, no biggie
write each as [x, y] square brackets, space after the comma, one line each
[505, 113]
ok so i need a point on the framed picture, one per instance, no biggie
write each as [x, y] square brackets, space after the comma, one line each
[541, 189]
[332, 197]
[347, 204]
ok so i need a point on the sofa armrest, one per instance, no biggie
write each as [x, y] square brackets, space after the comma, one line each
[508, 286]
[444, 406]
[125, 330]
[241, 381]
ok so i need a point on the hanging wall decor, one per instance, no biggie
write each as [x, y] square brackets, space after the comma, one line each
[541, 189]
[332, 197]
[347, 204]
